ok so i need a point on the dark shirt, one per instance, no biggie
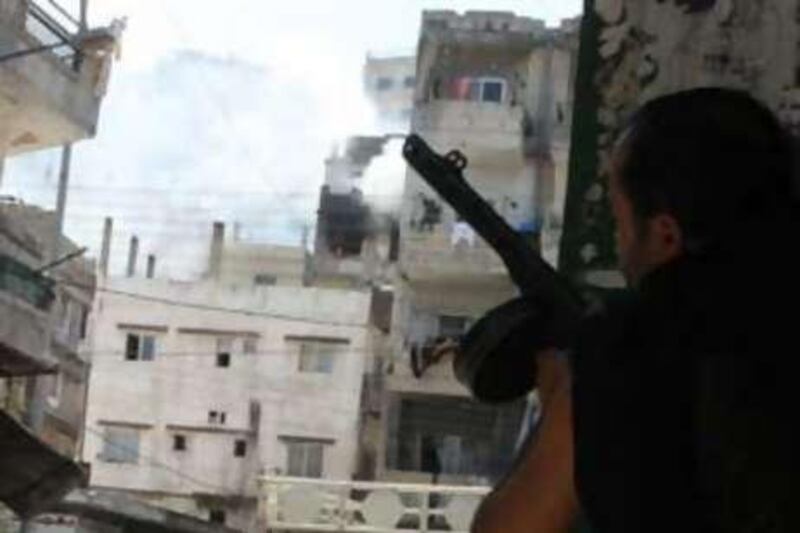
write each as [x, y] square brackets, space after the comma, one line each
[684, 398]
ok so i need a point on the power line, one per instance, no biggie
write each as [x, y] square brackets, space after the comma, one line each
[207, 307]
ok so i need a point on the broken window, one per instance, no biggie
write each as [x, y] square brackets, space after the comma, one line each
[140, 347]
[120, 445]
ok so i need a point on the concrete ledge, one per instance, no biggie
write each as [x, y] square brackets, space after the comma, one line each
[133, 515]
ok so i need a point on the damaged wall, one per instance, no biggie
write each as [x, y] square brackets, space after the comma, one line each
[633, 51]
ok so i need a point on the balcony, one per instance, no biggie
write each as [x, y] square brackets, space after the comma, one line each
[490, 134]
[452, 253]
[53, 97]
[437, 378]
[25, 298]
[292, 504]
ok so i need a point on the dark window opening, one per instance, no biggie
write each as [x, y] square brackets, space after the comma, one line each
[213, 417]
[240, 448]
[265, 280]
[452, 327]
[216, 516]
[140, 347]
[384, 84]
[179, 443]
[410, 82]
[84, 322]
[132, 347]
[223, 360]
[493, 91]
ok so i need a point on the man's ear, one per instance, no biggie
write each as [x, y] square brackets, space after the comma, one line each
[666, 242]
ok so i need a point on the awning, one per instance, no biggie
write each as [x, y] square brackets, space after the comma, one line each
[32, 475]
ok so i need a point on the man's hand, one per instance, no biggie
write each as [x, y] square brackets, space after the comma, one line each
[539, 495]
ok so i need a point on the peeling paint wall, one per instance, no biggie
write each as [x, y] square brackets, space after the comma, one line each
[633, 51]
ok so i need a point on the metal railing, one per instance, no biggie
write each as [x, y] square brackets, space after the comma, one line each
[49, 23]
[294, 504]
[24, 283]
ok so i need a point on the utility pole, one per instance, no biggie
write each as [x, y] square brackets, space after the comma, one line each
[84, 15]
[37, 399]
[61, 202]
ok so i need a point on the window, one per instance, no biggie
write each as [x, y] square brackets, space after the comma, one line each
[216, 516]
[453, 326]
[224, 349]
[240, 448]
[305, 457]
[120, 445]
[54, 387]
[179, 443]
[384, 84]
[140, 347]
[492, 91]
[250, 345]
[317, 357]
[265, 280]
[84, 322]
[216, 417]
[410, 82]
[479, 89]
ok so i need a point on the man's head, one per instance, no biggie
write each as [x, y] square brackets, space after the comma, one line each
[691, 170]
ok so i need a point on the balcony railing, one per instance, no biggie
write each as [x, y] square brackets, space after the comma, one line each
[293, 504]
[49, 23]
[26, 284]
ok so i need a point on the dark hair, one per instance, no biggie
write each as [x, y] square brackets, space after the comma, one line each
[715, 159]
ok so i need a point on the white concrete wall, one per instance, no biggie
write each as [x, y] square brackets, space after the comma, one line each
[392, 107]
[183, 383]
[243, 261]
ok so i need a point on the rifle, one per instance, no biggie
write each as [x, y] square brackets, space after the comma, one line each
[495, 358]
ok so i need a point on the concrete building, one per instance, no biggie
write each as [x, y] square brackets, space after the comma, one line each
[497, 87]
[45, 312]
[354, 244]
[50, 95]
[50, 98]
[26, 233]
[389, 83]
[199, 387]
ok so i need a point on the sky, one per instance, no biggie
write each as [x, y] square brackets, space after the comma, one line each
[226, 111]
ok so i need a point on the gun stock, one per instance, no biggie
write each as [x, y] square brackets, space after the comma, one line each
[495, 359]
